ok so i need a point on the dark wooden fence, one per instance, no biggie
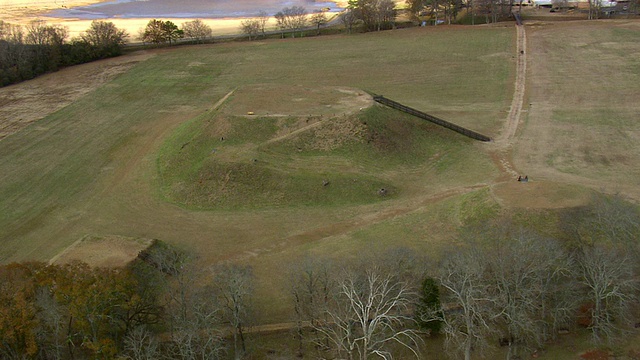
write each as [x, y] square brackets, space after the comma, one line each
[518, 18]
[459, 129]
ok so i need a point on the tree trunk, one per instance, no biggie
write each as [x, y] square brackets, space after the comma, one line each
[236, 352]
[244, 346]
[467, 350]
[70, 343]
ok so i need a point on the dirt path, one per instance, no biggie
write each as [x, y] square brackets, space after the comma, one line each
[295, 132]
[505, 141]
[510, 128]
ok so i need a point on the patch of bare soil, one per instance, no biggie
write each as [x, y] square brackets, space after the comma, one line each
[24, 103]
[287, 100]
[103, 251]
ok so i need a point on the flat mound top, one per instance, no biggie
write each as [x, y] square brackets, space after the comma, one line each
[295, 100]
[103, 251]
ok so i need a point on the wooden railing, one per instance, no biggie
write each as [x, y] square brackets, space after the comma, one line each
[451, 126]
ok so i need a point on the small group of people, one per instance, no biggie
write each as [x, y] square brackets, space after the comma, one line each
[523, 179]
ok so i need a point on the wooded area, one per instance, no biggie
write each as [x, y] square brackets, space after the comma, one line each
[38, 48]
[506, 285]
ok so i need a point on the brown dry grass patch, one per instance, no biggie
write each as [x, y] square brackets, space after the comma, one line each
[103, 251]
[24, 103]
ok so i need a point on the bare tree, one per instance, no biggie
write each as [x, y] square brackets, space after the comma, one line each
[52, 322]
[234, 287]
[198, 338]
[469, 307]
[471, 8]
[263, 19]
[250, 27]
[434, 9]
[293, 19]
[523, 269]
[349, 19]
[153, 32]
[494, 10]
[368, 312]
[193, 315]
[451, 9]
[311, 288]
[141, 344]
[11, 33]
[281, 23]
[40, 33]
[594, 9]
[375, 14]
[178, 266]
[197, 30]
[605, 221]
[558, 301]
[606, 273]
[415, 7]
[318, 19]
[105, 35]
[613, 220]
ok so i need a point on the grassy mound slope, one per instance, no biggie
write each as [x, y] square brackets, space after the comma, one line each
[218, 161]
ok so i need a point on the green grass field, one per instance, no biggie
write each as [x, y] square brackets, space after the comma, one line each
[56, 170]
[582, 120]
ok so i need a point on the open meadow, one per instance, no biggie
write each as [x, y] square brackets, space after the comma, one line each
[266, 152]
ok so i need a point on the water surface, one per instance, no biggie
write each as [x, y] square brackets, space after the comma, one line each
[129, 9]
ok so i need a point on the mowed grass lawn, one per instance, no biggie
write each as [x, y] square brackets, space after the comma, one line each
[92, 167]
[584, 85]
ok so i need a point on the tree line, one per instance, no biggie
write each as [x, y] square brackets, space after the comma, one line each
[160, 32]
[505, 285]
[38, 48]
[150, 309]
[368, 15]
